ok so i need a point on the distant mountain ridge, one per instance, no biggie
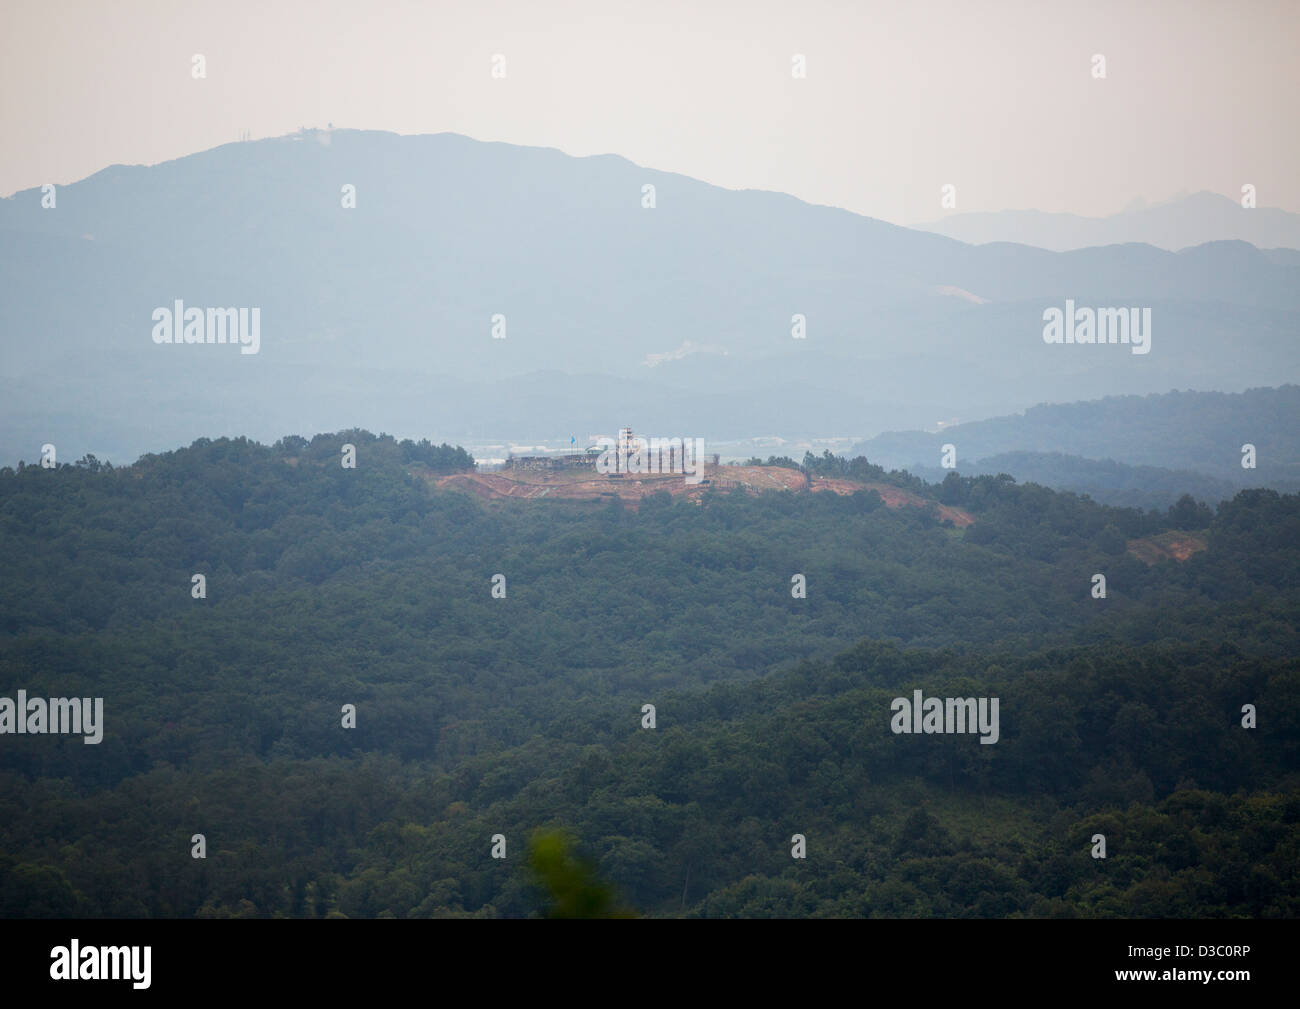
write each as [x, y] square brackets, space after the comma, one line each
[1123, 450]
[679, 320]
[1178, 224]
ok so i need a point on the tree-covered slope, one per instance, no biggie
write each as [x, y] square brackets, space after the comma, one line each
[477, 715]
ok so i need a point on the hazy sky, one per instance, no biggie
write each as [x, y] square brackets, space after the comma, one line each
[996, 98]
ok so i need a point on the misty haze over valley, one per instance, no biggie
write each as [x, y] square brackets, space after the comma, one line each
[571, 460]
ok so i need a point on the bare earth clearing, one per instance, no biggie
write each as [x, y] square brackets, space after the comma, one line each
[1172, 545]
[582, 486]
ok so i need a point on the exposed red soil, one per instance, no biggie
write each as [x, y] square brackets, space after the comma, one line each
[896, 497]
[579, 486]
[1171, 545]
[569, 486]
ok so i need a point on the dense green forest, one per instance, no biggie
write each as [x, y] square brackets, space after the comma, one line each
[480, 715]
[1104, 480]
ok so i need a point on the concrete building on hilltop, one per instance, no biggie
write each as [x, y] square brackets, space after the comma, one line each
[628, 455]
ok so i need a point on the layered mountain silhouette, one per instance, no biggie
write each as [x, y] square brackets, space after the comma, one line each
[675, 319]
[1177, 224]
[1142, 451]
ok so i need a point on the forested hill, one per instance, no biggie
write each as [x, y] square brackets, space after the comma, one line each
[480, 713]
[1104, 480]
[1199, 431]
